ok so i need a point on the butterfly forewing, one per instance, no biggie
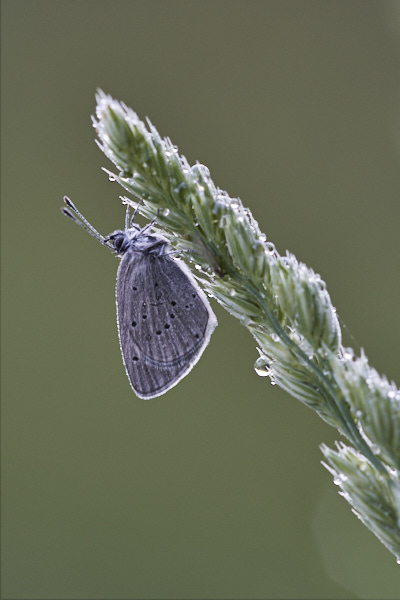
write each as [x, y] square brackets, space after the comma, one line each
[164, 321]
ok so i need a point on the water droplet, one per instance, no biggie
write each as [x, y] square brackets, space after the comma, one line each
[232, 293]
[262, 367]
[201, 169]
[339, 479]
[245, 320]
[262, 238]
[275, 337]
[111, 177]
[166, 212]
[348, 353]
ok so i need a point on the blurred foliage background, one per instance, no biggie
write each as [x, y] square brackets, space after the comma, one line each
[214, 490]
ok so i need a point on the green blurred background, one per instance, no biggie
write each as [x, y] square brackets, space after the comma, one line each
[214, 490]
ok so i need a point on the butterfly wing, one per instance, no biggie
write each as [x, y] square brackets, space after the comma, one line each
[164, 321]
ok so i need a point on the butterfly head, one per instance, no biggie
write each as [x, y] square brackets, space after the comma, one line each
[135, 238]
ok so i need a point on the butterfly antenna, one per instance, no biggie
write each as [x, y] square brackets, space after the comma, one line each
[80, 220]
[127, 217]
